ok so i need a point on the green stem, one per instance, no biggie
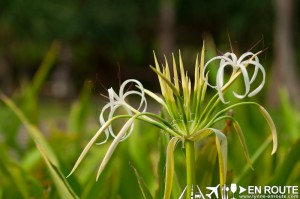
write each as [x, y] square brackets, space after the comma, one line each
[190, 167]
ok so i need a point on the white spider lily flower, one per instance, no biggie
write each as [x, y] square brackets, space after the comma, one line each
[239, 66]
[119, 101]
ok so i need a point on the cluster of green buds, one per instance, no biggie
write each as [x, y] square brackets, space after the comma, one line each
[188, 119]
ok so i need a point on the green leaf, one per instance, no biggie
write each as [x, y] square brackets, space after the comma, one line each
[264, 113]
[114, 144]
[145, 191]
[49, 156]
[44, 68]
[64, 190]
[29, 103]
[92, 141]
[170, 167]
[290, 116]
[14, 173]
[79, 110]
[206, 164]
[33, 131]
[254, 158]
[221, 143]
[292, 158]
[272, 127]
[170, 84]
[240, 135]
[162, 142]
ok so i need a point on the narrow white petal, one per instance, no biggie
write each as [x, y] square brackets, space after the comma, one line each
[254, 92]
[246, 81]
[222, 59]
[101, 117]
[114, 144]
[233, 58]
[247, 62]
[219, 82]
[89, 145]
[243, 56]
[141, 93]
[111, 114]
[143, 102]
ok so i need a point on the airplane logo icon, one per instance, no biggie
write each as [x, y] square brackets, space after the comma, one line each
[214, 190]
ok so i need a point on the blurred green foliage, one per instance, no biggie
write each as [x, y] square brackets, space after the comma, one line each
[105, 34]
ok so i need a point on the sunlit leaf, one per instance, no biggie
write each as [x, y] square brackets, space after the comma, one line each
[272, 127]
[170, 167]
[114, 144]
[170, 84]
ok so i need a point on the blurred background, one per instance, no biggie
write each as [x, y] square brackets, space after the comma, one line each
[100, 39]
[58, 57]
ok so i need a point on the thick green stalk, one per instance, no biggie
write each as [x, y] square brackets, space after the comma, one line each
[190, 167]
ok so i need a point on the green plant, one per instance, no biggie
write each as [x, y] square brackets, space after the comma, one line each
[187, 118]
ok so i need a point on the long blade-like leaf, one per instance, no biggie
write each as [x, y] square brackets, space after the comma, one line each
[64, 190]
[89, 145]
[221, 143]
[114, 144]
[264, 113]
[170, 84]
[272, 127]
[145, 191]
[241, 137]
[170, 167]
[33, 131]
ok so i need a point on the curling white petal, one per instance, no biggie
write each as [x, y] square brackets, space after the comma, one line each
[254, 75]
[241, 64]
[252, 62]
[223, 59]
[119, 101]
[220, 82]
[258, 89]
[246, 81]
[141, 93]
[243, 56]
[102, 120]
[233, 59]
[143, 102]
[140, 86]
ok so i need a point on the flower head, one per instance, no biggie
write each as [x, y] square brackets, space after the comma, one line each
[238, 66]
[119, 101]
